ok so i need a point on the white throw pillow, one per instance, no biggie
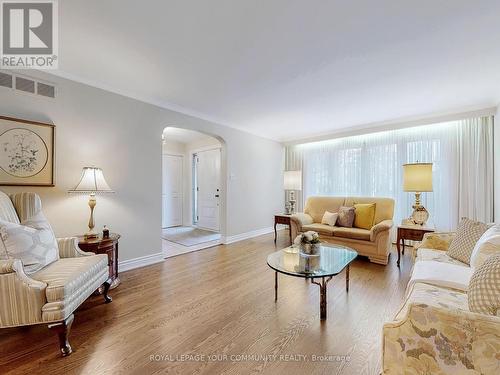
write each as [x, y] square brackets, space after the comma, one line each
[488, 245]
[32, 241]
[329, 218]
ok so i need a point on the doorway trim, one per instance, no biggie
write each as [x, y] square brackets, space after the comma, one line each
[224, 172]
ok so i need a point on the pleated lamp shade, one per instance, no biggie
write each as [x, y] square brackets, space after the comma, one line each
[92, 181]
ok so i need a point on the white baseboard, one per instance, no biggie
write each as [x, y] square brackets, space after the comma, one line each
[130, 264]
[147, 260]
[244, 236]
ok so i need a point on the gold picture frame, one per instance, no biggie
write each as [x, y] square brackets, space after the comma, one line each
[27, 152]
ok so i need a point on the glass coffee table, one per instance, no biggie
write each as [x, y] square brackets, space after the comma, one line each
[330, 260]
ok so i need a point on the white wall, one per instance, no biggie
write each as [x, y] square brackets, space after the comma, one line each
[123, 136]
[202, 144]
[496, 161]
[173, 148]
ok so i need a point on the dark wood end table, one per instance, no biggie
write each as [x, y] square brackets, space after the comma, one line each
[410, 233]
[108, 246]
[283, 219]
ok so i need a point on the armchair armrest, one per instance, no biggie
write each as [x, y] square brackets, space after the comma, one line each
[8, 266]
[22, 296]
[68, 248]
[15, 267]
[441, 340]
[297, 221]
[384, 225]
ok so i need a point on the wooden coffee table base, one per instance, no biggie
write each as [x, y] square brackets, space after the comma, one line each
[322, 290]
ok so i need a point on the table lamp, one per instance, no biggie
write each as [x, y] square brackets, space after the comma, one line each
[92, 182]
[417, 178]
[292, 182]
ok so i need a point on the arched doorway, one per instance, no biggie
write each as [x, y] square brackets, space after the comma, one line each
[193, 194]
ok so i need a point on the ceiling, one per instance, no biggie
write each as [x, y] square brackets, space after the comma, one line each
[185, 135]
[286, 69]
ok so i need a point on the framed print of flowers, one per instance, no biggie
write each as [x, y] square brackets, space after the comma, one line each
[26, 152]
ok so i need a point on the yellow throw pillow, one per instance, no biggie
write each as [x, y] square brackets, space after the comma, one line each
[364, 215]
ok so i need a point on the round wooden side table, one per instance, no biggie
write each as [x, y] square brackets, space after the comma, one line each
[107, 246]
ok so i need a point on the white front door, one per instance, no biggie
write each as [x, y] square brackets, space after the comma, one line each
[207, 171]
[172, 191]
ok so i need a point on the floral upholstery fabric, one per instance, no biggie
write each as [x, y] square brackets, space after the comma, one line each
[434, 241]
[433, 295]
[424, 254]
[435, 333]
[438, 241]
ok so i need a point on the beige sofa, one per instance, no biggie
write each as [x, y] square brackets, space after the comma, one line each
[50, 295]
[434, 332]
[374, 243]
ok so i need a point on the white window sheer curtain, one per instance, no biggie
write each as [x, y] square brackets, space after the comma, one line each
[371, 165]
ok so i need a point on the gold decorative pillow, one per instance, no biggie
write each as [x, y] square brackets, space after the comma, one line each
[435, 241]
[364, 215]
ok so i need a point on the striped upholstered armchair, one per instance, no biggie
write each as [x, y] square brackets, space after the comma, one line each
[43, 294]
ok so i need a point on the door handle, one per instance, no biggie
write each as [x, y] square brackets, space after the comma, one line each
[216, 195]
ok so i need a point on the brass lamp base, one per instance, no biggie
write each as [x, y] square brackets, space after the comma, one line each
[91, 233]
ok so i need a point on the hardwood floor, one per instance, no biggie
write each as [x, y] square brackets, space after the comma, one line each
[171, 249]
[219, 301]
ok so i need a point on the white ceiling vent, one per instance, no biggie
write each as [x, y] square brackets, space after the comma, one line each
[26, 84]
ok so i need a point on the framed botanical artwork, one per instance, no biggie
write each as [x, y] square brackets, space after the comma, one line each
[26, 152]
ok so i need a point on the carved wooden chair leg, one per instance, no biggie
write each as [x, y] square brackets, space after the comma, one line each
[107, 297]
[62, 329]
